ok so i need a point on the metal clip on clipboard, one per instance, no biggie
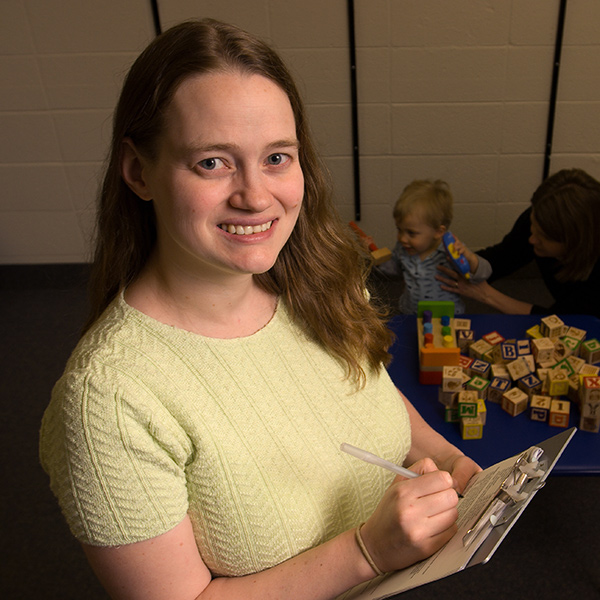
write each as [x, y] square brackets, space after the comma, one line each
[525, 478]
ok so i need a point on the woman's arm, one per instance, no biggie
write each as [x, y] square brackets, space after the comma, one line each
[481, 291]
[169, 567]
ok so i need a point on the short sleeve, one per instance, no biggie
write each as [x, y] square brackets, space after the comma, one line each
[116, 459]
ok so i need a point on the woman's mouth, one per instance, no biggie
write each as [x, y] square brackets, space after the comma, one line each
[245, 229]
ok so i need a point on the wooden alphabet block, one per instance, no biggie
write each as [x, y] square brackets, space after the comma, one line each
[572, 344]
[518, 368]
[587, 369]
[530, 384]
[465, 362]
[539, 408]
[467, 403]
[508, 352]
[543, 349]
[462, 324]
[515, 401]
[590, 351]
[480, 368]
[500, 371]
[534, 332]
[590, 425]
[479, 385]
[566, 366]
[496, 389]
[479, 349]
[464, 339]
[523, 347]
[493, 338]
[448, 399]
[559, 413]
[589, 390]
[451, 414]
[482, 410]
[552, 326]
[451, 379]
[558, 382]
[471, 428]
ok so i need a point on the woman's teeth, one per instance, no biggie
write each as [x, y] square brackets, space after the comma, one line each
[246, 229]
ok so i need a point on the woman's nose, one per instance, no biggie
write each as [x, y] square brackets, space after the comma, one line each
[251, 193]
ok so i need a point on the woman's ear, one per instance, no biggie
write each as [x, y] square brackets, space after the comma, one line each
[132, 170]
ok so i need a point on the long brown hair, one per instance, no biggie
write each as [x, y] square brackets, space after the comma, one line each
[566, 206]
[320, 271]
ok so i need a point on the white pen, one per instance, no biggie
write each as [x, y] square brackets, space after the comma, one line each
[376, 460]
[380, 462]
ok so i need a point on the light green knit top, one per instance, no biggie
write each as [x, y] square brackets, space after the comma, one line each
[150, 422]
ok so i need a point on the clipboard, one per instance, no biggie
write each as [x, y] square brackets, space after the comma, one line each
[514, 482]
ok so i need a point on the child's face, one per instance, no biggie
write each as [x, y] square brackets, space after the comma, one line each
[416, 236]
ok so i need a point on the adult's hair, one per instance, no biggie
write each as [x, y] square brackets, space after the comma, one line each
[320, 271]
[566, 206]
[431, 199]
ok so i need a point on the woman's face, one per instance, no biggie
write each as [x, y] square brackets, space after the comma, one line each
[543, 246]
[227, 184]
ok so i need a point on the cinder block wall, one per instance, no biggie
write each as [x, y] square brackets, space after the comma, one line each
[454, 90]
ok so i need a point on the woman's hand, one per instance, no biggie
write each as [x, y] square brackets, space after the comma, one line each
[451, 281]
[414, 519]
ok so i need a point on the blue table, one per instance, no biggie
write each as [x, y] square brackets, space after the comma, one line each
[503, 435]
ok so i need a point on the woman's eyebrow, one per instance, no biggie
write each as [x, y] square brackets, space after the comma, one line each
[194, 148]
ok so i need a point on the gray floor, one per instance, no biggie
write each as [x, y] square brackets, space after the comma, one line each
[552, 552]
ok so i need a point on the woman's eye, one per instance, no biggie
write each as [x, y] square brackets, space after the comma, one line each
[277, 159]
[210, 164]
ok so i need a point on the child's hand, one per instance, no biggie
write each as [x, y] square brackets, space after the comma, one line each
[471, 257]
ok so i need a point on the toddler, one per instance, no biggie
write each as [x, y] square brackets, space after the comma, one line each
[423, 214]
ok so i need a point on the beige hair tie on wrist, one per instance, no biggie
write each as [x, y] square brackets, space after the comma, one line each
[365, 552]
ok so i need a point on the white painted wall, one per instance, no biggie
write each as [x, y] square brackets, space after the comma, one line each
[454, 90]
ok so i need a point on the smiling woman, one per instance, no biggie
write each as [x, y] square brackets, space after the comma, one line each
[193, 439]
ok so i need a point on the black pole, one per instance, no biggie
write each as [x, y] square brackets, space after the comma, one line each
[354, 108]
[553, 92]
[156, 16]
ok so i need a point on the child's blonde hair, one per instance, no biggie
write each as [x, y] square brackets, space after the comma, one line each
[432, 199]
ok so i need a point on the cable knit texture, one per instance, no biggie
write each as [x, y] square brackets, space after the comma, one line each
[150, 422]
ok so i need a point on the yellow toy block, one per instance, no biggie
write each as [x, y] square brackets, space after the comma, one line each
[559, 413]
[481, 410]
[557, 381]
[471, 428]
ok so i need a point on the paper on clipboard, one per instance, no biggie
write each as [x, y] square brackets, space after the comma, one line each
[455, 555]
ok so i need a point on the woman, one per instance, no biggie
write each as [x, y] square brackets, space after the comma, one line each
[560, 232]
[193, 440]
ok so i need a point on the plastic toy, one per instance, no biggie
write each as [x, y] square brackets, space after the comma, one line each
[459, 262]
[379, 255]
